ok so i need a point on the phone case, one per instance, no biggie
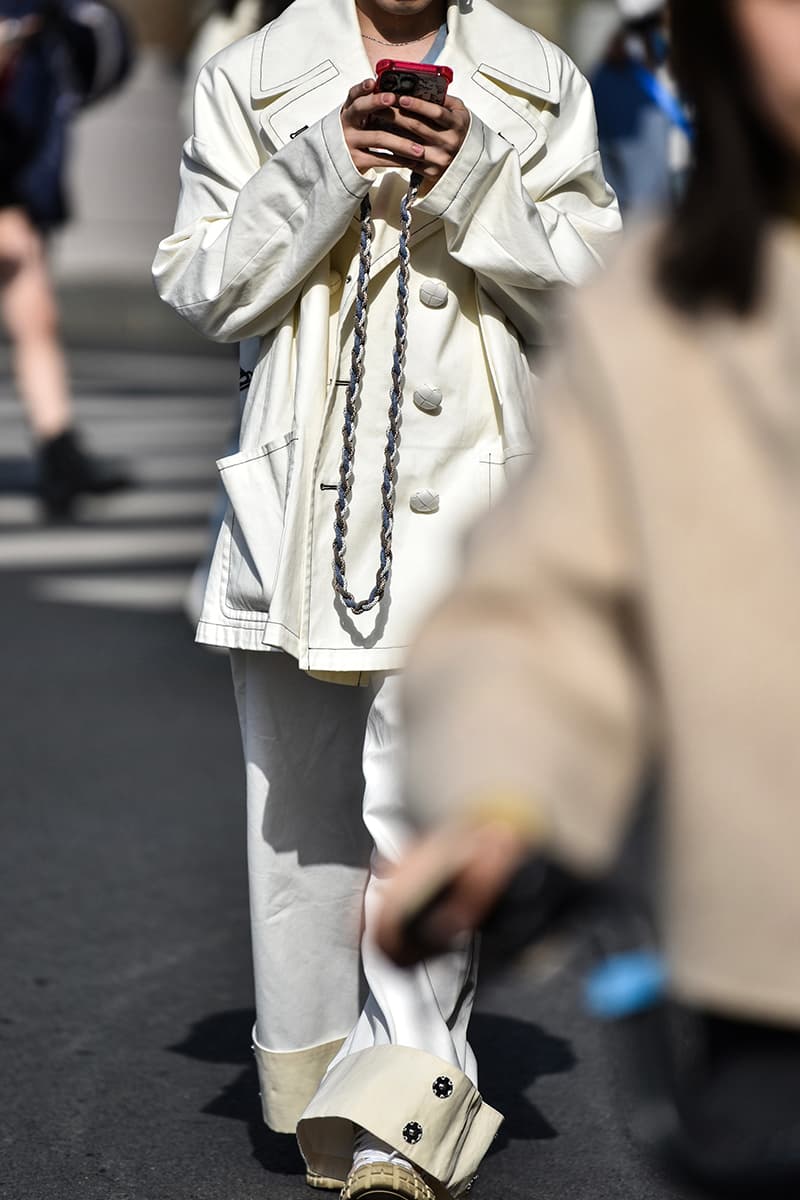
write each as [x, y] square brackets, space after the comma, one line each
[425, 81]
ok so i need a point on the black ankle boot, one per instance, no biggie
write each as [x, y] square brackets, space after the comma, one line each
[66, 472]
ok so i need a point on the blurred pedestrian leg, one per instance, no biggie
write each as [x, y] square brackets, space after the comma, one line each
[50, 64]
[30, 315]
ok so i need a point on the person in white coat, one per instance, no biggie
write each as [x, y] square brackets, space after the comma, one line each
[287, 191]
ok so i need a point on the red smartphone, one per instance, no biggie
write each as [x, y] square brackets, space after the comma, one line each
[425, 81]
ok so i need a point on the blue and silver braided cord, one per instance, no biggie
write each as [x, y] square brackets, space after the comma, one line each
[345, 486]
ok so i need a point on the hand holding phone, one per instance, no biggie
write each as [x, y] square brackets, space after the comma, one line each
[422, 81]
[402, 129]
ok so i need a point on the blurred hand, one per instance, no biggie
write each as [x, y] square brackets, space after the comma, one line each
[447, 886]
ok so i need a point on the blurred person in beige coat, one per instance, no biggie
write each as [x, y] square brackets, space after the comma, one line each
[637, 597]
[511, 205]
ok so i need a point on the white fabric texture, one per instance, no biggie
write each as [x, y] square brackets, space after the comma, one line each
[323, 770]
[263, 248]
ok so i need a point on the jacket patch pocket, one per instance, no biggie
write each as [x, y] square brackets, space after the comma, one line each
[257, 482]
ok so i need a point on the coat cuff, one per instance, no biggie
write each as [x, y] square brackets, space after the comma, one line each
[422, 1106]
[349, 176]
[288, 1080]
[462, 175]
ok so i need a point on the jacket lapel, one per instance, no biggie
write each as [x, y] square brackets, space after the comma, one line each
[304, 63]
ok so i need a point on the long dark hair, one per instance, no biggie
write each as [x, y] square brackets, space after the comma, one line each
[743, 175]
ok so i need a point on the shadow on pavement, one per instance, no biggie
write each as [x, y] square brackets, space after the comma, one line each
[226, 1038]
[512, 1055]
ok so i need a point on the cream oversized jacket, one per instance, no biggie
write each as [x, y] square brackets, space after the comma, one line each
[639, 594]
[269, 192]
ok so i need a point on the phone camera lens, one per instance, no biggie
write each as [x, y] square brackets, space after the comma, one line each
[389, 82]
[405, 85]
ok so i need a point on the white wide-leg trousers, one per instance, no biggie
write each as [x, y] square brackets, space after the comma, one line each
[342, 1037]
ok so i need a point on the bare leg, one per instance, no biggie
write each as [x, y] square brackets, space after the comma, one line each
[28, 306]
[31, 318]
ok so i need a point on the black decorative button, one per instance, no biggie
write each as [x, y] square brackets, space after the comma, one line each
[443, 1087]
[413, 1133]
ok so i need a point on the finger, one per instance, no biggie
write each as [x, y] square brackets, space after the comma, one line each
[425, 132]
[365, 162]
[435, 114]
[426, 159]
[365, 108]
[448, 116]
[380, 139]
[453, 104]
[359, 89]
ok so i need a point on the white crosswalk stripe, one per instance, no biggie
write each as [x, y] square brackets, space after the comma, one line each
[169, 418]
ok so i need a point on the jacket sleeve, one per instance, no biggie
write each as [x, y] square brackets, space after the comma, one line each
[525, 229]
[530, 682]
[249, 232]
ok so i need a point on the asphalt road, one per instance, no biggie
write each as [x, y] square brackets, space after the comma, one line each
[125, 993]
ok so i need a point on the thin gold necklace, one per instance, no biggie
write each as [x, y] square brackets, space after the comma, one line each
[411, 42]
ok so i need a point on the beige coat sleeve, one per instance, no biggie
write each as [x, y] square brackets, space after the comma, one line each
[248, 233]
[524, 230]
[530, 679]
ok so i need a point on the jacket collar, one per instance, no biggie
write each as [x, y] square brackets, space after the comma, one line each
[304, 62]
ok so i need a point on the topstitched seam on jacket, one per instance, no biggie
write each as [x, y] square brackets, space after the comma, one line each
[473, 168]
[216, 298]
[281, 625]
[262, 452]
[276, 110]
[286, 85]
[510, 107]
[331, 156]
[522, 82]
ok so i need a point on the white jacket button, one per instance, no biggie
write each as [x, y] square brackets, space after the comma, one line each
[433, 293]
[428, 398]
[424, 501]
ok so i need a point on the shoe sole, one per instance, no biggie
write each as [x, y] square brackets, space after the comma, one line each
[385, 1181]
[324, 1182]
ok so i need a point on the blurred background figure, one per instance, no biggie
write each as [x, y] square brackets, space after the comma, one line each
[645, 133]
[226, 21]
[54, 57]
[636, 600]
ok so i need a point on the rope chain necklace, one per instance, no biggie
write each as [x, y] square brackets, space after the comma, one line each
[352, 405]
